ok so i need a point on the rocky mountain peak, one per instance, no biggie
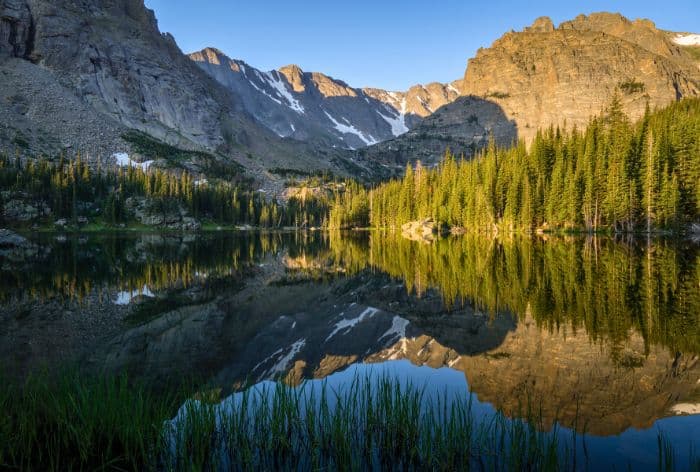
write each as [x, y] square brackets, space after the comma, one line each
[604, 21]
[210, 55]
[330, 87]
[295, 77]
[642, 32]
[546, 76]
[542, 24]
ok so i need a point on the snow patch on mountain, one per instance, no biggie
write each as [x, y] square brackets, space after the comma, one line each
[123, 160]
[398, 123]
[282, 364]
[349, 129]
[125, 297]
[280, 86]
[397, 329]
[686, 409]
[687, 39]
[263, 91]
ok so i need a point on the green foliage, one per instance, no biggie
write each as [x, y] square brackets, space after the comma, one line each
[76, 422]
[151, 148]
[631, 86]
[351, 207]
[74, 189]
[154, 149]
[614, 176]
[498, 95]
[71, 422]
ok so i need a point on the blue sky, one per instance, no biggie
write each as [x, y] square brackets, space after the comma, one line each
[390, 44]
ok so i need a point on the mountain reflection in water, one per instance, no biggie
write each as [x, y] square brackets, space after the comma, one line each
[604, 336]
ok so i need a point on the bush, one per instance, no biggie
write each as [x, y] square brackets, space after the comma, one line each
[631, 86]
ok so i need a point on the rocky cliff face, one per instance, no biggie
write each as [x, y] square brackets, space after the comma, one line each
[545, 76]
[80, 73]
[560, 76]
[315, 107]
[112, 56]
[567, 373]
[464, 126]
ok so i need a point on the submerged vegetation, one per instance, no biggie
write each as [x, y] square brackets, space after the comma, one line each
[614, 176]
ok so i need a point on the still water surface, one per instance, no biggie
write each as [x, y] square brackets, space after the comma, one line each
[603, 336]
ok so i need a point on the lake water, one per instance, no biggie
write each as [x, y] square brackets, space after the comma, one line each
[602, 336]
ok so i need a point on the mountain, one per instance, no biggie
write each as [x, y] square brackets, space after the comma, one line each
[82, 76]
[79, 75]
[546, 76]
[311, 106]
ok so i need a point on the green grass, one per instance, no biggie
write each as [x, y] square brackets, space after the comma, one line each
[71, 422]
[74, 422]
[371, 426]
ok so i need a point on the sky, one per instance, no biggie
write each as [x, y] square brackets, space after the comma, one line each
[389, 44]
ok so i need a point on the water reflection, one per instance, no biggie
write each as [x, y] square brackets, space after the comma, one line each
[632, 448]
[605, 334]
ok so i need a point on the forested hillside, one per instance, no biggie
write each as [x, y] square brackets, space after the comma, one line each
[70, 193]
[614, 175]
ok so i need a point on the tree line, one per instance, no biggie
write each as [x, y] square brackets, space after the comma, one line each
[72, 189]
[616, 175]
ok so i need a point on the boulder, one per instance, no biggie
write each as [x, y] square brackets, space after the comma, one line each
[422, 230]
[19, 210]
[694, 232]
[10, 239]
[15, 248]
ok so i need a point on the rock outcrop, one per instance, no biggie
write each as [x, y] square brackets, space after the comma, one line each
[152, 215]
[562, 77]
[546, 76]
[423, 231]
[19, 208]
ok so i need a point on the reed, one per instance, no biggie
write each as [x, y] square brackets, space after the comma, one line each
[73, 422]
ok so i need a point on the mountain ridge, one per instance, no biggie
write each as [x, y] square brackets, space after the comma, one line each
[314, 106]
[81, 74]
[110, 61]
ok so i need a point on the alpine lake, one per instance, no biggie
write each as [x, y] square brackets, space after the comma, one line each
[597, 338]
